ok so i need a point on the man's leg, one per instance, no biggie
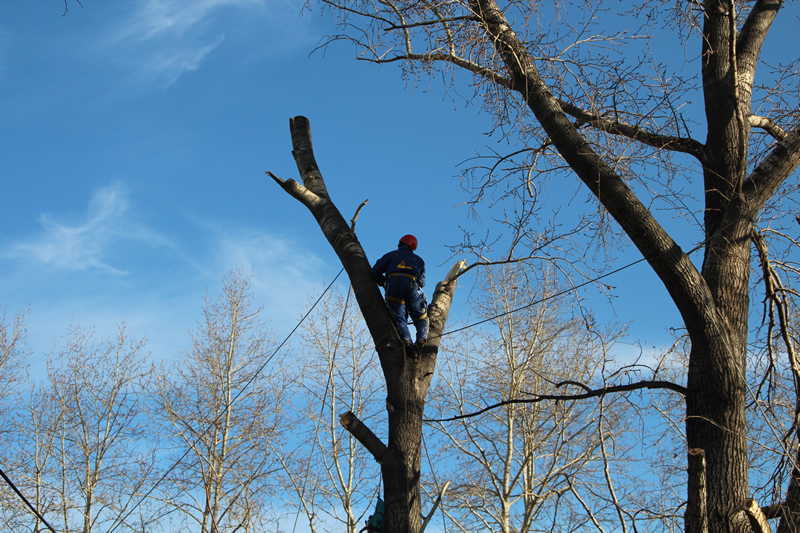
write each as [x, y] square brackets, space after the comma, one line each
[397, 309]
[419, 314]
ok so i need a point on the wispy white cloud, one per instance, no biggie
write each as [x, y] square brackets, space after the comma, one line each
[276, 262]
[168, 38]
[171, 65]
[177, 17]
[83, 243]
[286, 274]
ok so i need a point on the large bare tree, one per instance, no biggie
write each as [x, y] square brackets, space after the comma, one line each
[604, 91]
[513, 463]
[78, 440]
[218, 408]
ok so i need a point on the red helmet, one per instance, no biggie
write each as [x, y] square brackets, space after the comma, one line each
[410, 240]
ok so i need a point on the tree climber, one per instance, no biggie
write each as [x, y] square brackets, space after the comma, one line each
[402, 273]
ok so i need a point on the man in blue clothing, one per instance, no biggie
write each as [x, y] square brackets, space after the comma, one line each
[402, 273]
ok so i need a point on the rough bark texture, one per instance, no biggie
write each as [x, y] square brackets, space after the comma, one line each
[407, 380]
[790, 510]
[696, 508]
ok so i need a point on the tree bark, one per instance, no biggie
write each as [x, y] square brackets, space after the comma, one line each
[790, 508]
[407, 381]
[696, 509]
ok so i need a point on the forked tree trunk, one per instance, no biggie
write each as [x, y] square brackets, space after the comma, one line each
[407, 381]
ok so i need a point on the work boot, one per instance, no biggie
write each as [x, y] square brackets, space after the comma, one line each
[411, 350]
[420, 344]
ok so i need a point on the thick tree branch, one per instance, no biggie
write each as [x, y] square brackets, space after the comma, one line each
[774, 510]
[303, 153]
[773, 171]
[438, 310]
[637, 133]
[755, 516]
[753, 33]
[296, 191]
[768, 125]
[364, 435]
[590, 393]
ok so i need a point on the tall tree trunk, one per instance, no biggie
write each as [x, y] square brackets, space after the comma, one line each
[407, 380]
[715, 403]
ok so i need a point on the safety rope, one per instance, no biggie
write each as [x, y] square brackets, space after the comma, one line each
[324, 399]
[24, 499]
[545, 299]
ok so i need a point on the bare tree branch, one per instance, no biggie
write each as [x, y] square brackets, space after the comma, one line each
[768, 125]
[757, 519]
[637, 133]
[664, 385]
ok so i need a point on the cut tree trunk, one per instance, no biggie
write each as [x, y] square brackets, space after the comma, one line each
[407, 380]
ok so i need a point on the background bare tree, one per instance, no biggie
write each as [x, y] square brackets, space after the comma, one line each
[12, 350]
[596, 89]
[102, 451]
[219, 407]
[80, 443]
[12, 363]
[329, 476]
[512, 464]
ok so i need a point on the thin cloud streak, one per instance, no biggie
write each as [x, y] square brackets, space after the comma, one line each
[170, 38]
[171, 66]
[176, 18]
[83, 245]
[279, 266]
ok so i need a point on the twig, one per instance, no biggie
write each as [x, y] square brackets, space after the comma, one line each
[355, 217]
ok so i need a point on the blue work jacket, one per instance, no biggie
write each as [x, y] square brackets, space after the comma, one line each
[401, 262]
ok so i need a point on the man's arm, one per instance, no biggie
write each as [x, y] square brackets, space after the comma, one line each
[379, 269]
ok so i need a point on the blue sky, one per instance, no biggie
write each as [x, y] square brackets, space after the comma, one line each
[135, 136]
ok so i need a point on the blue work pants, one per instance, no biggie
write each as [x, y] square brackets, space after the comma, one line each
[404, 298]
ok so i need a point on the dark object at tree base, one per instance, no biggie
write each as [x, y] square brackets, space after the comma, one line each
[375, 522]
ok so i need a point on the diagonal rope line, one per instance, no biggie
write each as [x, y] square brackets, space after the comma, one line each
[241, 391]
[324, 399]
[24, 499]
[545, 299]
